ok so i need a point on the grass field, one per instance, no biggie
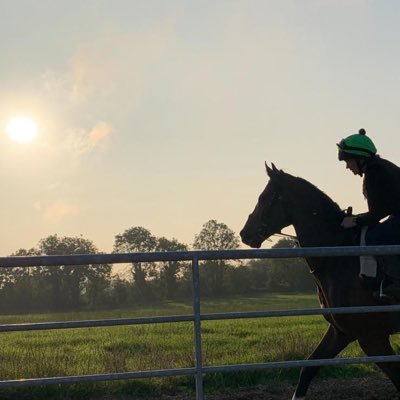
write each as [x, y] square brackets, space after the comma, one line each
[162, 346]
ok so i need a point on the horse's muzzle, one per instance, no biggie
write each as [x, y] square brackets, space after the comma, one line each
[250, 240]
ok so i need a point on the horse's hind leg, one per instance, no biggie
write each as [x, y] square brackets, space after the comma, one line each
[332, 343]
[380, 346]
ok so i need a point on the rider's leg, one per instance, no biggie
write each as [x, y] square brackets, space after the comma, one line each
[388, 233]
[384, 233]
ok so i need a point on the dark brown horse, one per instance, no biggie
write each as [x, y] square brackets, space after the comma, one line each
[289, 200]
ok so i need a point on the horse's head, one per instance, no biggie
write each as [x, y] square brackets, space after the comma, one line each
[270, 215]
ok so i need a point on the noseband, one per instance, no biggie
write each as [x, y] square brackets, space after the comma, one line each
[263, 226]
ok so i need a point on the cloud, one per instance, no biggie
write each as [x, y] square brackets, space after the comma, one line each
[88, 74]
[100, 132]
[80, 141]
[53, 81]
[121, 63]
[59, 211]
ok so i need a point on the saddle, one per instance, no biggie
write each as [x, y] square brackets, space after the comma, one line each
[380, 274]
[371, 268]
[368, 264]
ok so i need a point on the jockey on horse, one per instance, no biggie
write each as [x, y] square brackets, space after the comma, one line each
[381, 188]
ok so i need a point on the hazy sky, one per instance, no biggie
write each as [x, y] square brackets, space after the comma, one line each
[161, 113]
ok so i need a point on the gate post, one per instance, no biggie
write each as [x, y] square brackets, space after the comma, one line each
[197, 328]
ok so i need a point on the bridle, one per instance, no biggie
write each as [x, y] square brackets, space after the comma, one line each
[285, 235]
[263, 225]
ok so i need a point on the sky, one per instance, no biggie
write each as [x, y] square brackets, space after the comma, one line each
[161, 114]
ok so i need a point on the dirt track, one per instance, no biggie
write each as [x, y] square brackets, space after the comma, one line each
[372, 388]
[354, 389]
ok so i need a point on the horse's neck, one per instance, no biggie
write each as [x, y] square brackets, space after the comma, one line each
[317, 224]
[314, 226]
[313, 233]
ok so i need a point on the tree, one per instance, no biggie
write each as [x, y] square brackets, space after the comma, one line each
[17, 285]
[138, 239]
[290, 273]
[68, 281]
[121, 289]
[56, 287]
[169, 270]
[215, 236]
[260, 274]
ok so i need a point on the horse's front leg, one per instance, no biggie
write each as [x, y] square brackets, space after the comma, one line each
[379, 345]
[332, 343]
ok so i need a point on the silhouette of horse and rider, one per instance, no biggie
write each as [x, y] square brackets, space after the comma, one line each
[320, 222]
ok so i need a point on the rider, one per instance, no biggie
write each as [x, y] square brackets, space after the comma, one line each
[381, 188]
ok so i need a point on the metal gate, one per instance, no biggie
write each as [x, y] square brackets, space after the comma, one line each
[196, 317]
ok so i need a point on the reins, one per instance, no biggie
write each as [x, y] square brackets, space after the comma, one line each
[286, 235]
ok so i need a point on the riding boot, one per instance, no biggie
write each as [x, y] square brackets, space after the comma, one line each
[390, 287]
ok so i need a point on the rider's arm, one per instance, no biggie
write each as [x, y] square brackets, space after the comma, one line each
[367, 218]
[378, 190]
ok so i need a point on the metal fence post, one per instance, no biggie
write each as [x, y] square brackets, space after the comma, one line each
[197, 328]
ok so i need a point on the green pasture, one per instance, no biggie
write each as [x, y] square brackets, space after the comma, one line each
[161, 346]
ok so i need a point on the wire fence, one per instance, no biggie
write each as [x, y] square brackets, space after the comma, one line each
[196, 317]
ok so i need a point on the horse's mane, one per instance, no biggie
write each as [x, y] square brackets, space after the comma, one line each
[314, 197]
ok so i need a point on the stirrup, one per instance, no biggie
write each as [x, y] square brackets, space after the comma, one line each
[380, 295]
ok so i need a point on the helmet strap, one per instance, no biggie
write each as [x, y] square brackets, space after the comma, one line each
[362, 163]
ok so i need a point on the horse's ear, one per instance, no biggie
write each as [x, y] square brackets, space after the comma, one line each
[271, 171]
[268, 169]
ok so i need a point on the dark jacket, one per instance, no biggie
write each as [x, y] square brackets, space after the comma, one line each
[381, 189]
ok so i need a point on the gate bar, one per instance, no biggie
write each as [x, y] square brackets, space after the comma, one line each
[193, 371]
[37, 326]
[118, 258]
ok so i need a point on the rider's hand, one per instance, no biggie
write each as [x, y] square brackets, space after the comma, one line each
[348, 222]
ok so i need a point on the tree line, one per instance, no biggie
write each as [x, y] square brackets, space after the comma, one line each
[74, 287]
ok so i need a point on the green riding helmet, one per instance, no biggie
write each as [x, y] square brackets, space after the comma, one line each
[356, 146]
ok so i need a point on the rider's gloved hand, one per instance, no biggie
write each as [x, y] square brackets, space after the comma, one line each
[348, 222]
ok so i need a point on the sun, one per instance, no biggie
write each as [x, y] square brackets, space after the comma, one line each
[22, 129]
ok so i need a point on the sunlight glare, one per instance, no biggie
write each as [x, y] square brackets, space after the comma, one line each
[22, 129]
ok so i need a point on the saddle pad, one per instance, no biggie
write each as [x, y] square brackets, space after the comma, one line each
[368, 264]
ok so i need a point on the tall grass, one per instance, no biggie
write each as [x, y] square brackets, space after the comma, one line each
[161, 346]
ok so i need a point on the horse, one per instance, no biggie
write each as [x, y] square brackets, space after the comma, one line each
[289, 200]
